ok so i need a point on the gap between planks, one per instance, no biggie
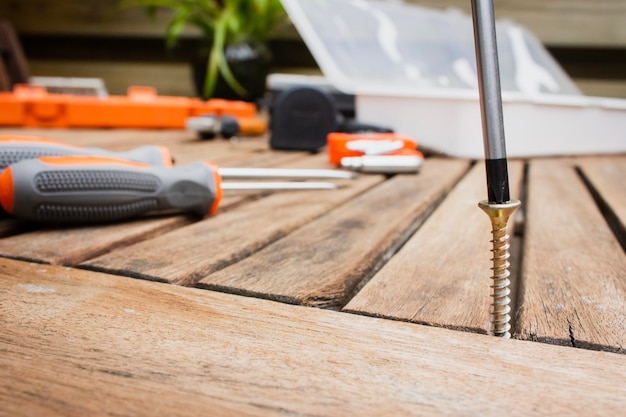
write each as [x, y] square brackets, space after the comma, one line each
[186, 255]
[441, 276]
[602, 176]
[574, 269]
[323, 262]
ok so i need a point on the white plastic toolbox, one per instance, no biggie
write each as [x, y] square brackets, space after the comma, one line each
[413, 69]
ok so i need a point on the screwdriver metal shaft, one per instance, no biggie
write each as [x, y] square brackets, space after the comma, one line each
[285, 173]
[383, 164]
[277, 186]
[499, 207]
[490, 100]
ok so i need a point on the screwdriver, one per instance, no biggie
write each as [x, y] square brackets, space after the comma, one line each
[16, 148]
[91, 189]
[498, 206]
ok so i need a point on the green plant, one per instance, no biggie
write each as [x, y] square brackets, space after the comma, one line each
[223, 21]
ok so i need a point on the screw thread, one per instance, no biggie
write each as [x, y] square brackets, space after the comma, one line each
[500, 306]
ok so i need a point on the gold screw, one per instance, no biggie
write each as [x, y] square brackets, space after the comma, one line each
[499, 216]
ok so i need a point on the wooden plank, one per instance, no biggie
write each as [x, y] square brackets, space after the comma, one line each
[214, 243]
[605, 177]
[78, 343]
[321, 263]
[574, 270]
[69, 246]
[440, 277]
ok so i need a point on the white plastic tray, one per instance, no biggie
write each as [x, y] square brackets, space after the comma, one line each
[449, 122]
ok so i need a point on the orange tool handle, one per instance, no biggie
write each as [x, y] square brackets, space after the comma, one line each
[208, 126]
[89, 189]
[16, 148]
[338, 144]
[252, 125]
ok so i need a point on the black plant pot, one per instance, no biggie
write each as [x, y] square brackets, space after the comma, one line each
[249, 61]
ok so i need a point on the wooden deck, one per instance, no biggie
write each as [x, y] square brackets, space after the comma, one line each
[367, 300]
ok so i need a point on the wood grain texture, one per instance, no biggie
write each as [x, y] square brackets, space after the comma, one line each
[321, 263]
[78, 343]
[574, 270]
[67, 245]
[440, 277]
[186, 255]
[605, 177]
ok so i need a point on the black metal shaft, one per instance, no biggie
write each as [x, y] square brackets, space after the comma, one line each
[490, 100]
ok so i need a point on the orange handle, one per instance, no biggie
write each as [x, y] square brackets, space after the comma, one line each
[252, 125]
[89, 189]
[338, 144]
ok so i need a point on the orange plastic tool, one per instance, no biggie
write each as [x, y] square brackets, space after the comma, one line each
[30, 105]
[209, 126]
[342, 145]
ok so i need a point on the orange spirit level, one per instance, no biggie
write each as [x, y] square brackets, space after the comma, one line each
[30, 105]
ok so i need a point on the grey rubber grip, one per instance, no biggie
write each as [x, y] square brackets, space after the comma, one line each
[15, 151]
[105, 193]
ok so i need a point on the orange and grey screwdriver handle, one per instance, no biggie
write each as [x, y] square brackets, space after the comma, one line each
[16, 148]
[90, 189]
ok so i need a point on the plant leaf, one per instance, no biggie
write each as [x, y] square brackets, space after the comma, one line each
[175, 27]
[216, 55]
[224, 21]
[230, 78]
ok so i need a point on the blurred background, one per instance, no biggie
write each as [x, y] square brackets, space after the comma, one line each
[123, 46]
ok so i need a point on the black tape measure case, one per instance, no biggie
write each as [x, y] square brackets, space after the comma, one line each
[301, 119]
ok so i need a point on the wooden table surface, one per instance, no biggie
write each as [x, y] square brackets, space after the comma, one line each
[371, 299]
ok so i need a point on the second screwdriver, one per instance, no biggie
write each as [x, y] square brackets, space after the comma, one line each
[14, 148]
[88, 189]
